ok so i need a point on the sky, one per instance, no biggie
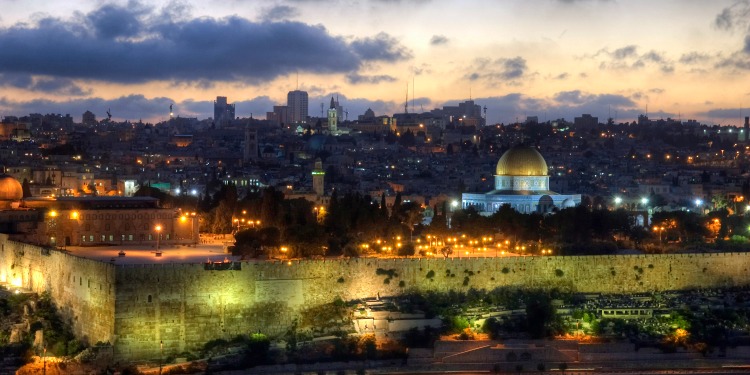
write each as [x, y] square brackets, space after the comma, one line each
[686, 59]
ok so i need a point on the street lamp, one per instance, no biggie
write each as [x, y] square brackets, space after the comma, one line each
[618, 200]
[161, 354]
[158, 237]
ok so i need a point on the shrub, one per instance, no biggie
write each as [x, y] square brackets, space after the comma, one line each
[559, 273]
[430, 274]
[505, 270]
[466, 280]
[341, 280]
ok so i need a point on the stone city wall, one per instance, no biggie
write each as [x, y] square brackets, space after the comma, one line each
[186, 305]
[137, 307]
[83, 289]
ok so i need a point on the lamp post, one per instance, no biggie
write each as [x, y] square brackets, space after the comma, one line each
[161, 354]
[44, 361]
[158, 237]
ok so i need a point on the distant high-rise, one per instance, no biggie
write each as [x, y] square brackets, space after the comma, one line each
[88, 118]
[297, 104]
[223, 111]
[747, 127]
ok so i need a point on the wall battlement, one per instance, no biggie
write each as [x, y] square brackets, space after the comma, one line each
[186, 305]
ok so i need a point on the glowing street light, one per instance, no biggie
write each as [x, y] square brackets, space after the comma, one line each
[618, 200]
[158, 237]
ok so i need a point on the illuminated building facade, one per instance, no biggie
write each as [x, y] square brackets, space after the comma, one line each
[521, 181]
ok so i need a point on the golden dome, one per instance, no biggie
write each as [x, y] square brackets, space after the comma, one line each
[521, 161]
[10, 188]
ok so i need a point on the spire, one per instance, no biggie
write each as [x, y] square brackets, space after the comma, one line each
[333, 104]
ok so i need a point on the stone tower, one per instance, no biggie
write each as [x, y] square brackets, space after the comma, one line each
[318, 176]
[333, 118]
[251, 144]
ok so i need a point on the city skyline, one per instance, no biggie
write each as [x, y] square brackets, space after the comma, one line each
[550, 59]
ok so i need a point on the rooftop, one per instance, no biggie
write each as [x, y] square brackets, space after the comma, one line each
[146, 254]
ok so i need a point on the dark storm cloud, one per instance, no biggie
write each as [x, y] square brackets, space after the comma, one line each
[381, 47]
[438, 40]
[355, 78]
[50, 85]
[144, 48]
[725, 113]
[279, 12]
[113, 21]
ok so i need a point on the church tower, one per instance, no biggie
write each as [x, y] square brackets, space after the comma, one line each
[251, 144]
[333, 118]
[318, 177]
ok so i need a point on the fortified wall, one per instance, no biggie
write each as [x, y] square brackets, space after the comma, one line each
[137, 307]
[186, 305]
[83, 289]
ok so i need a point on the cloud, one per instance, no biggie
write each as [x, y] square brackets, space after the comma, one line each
[50, 85]
[562, 76]
[624, 52]
[145, 47]
[438, 40]
[381, 47]
[733, 17]
[355, 78]
[279, 12]
[578, 98]
[112, 21]
[628, 58]
[725, 113]
[508, 71]
[691, 58]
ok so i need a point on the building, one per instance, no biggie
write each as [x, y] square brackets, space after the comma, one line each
[521, 181]
[318, 177]
[333, 118]
[250, 151]
[223, 111]
[297, 104]
[103, 221]
[586, 120]
[88, 118]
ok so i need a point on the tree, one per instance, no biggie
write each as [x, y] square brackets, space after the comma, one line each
[26, 188]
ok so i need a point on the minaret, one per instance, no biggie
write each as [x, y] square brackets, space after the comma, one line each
[333, 118]
[318, 176]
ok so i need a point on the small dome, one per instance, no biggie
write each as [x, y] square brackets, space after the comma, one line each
[521, 161]
[10, 188]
